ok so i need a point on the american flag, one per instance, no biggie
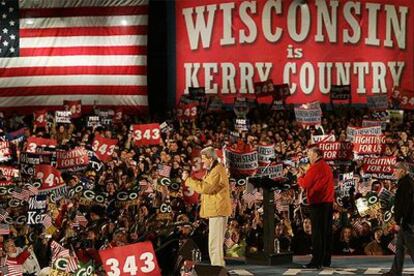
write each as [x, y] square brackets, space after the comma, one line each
[3, 214]
[47, 221]
[72, 264]
[229, 242]
[4, 229]
[32, 189]
[164, 170]
[58, 251]
[393, 245]
[81, 220]
[143, 182]
[12, 269]
[73, 50]
[357, 225]
[20, 194]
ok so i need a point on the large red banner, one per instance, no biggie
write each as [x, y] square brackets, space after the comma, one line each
[227, 46]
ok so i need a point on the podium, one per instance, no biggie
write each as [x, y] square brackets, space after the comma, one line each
[267, 256]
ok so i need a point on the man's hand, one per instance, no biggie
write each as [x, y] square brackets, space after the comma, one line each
[397, 228]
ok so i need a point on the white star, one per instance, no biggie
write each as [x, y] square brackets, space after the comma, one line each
[12, 37]
[12, 23]
[3, 3]
[11, 9]
[11, 50]
[4, 15]
[5, 43]
[5, 31]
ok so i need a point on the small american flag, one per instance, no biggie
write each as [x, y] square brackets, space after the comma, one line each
[20, 194]
[58, 251]
[32, 189]
[13, 269]
[81, 220]
[393, 245]
[72, 264]
[4, 229]
[47, 221]
[229, 242]
[74, 224]
[3, 214]
[357, 225]
[143, 182]
[164, 170]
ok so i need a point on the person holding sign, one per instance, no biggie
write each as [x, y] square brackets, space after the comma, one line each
[318, 182]
[215, 201]
[404, 217]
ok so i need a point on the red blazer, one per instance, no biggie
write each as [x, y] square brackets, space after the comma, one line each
[318, 183]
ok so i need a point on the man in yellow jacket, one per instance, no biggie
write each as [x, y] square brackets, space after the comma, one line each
[215, 201]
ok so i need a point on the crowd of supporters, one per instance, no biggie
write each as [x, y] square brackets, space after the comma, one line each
[85, 226]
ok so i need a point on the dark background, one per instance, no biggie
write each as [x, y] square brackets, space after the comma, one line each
[161, 57]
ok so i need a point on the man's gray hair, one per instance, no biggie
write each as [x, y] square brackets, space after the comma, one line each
[402, 165]
[209, 152]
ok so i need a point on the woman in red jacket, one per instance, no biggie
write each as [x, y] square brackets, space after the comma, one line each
[319, 185]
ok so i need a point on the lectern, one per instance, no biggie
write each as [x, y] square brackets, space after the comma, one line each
[268, 256]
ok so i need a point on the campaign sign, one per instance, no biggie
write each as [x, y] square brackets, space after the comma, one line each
[407, 99]
[273, 172]
[146, 134]
[333, 151]
[351, 132]
[308, 116]
[265, 153]
[134, 259]
[377, 102]
[106, 117]
[244, 163]
[369, 144]
[104, 148]
[368, 205]
[378, 164]
[282, 91]
[396, 117]
[39, 144]
[5, 153]
[75, 159]
[63, 117]
[322, 138]
[264, 88]
[340, 92]
[94, 121]
[37, 209]
[241, 124]
[75, 107]
[39, 118]
[374, 123]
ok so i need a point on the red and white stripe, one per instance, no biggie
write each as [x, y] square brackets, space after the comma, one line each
[58, 251]
[70, 50]
[33, 190]
[47, 221]
[81, 220]
[72, 264]
[14, 269]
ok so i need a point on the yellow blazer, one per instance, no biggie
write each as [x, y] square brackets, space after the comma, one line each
[215, 192]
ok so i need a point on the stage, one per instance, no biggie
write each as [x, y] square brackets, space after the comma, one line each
[341, 265]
